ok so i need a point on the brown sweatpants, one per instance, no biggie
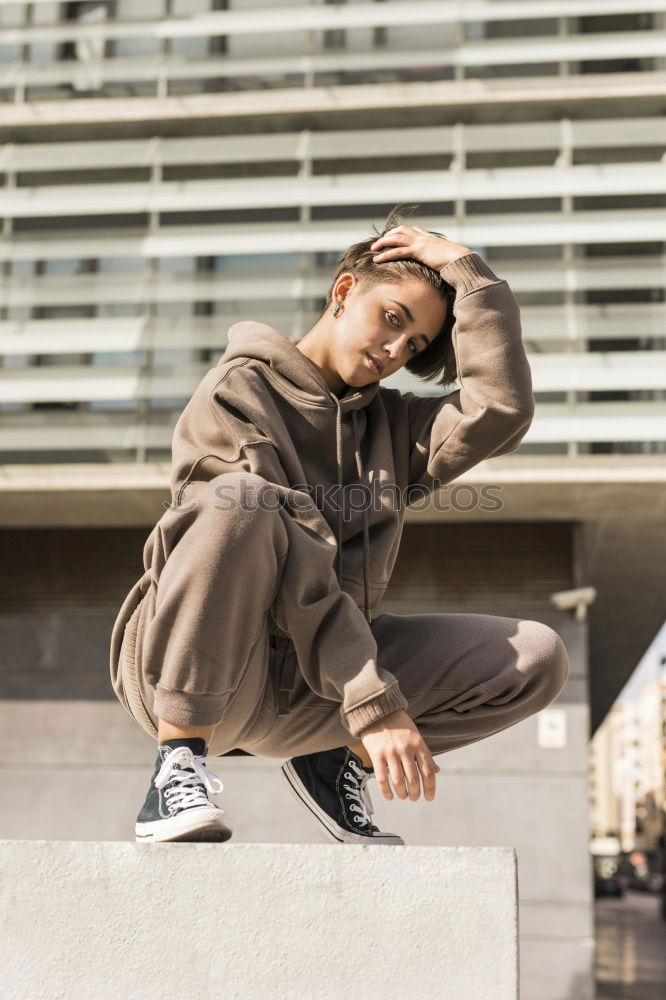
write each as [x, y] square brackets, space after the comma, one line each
[201, 646]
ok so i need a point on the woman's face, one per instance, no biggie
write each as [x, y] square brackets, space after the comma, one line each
[392, 323]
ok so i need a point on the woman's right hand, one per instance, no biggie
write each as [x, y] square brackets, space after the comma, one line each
[396, 747]
[413, 241]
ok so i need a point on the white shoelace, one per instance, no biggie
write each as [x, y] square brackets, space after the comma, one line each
[360, 794]
[187, 791]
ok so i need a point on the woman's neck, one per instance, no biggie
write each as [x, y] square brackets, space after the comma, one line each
[316, 355]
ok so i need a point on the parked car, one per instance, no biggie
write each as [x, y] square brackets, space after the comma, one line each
[645, 880]
[608, 885]
[646, 874]
[607, 878]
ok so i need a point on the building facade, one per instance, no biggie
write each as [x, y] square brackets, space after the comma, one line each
[173, 166]
[628, 764]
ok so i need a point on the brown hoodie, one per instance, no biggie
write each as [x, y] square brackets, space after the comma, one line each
[266, 409]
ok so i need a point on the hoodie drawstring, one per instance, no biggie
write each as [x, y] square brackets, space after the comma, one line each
[338, 450]
[366, 530]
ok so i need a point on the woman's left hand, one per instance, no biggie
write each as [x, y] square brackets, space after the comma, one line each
[413, 241]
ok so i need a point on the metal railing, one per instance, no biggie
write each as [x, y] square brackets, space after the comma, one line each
[445, 52]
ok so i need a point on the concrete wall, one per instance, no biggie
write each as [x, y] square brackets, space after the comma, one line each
[256, 922]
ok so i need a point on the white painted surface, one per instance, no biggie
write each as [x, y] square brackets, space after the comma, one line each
[82, 919]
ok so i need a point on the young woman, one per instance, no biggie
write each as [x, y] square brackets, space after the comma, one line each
[252, 628]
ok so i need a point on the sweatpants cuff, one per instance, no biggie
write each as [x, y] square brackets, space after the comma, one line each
[390, 700]
[185, 708]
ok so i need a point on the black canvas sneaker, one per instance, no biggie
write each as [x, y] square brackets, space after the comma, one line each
[177, 806]
[331, 784]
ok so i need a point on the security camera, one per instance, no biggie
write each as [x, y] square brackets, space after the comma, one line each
[580, 599]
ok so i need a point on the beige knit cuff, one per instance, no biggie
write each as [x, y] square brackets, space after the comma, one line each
[357, 719]
[468, 273]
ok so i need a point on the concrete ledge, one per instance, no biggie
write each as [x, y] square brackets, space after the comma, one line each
[81, 919]
[131, 494]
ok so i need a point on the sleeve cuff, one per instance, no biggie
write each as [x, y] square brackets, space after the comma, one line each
[357, 719]
[468, 273]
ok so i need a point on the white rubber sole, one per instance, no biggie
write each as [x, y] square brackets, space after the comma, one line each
[334, 832]
[201, 823]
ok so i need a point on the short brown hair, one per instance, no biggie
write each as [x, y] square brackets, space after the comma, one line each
[437, 359]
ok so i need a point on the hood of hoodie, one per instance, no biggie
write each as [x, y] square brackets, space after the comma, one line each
[251, 339]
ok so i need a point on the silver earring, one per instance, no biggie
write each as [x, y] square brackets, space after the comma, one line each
[338, 309]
